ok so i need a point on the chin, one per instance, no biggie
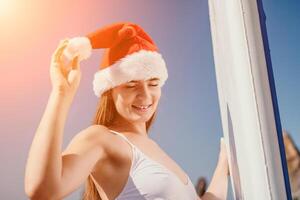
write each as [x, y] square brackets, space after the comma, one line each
[135, 117]
[141, 118]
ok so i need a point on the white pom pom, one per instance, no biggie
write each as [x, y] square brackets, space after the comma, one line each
[77, 46]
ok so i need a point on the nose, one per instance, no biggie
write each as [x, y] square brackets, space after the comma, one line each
[144, 91]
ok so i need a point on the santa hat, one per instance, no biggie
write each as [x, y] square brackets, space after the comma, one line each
[130, 54]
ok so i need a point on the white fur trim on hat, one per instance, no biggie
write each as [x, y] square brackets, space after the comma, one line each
[139, 65]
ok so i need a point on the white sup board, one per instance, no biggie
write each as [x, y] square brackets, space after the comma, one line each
[247, 98]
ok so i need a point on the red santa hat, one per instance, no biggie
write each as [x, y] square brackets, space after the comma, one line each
[130, 54]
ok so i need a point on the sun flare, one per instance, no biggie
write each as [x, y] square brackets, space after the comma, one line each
[7, 9]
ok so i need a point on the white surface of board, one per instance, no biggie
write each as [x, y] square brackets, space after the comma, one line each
[245, 100]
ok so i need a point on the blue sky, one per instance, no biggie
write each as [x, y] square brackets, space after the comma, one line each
[188, 125]
[283, 24]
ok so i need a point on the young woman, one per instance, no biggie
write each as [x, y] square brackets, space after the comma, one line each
[115, 155]
[293, 162]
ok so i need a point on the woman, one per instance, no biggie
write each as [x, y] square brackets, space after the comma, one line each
[293, 162]
[115, 154]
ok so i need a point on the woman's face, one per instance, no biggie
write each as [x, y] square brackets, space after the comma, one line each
[136, 101]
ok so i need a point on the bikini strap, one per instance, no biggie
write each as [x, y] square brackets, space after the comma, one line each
[122, 136]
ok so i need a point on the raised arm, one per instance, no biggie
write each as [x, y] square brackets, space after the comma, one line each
[47, 173]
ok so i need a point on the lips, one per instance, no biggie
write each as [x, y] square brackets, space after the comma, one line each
[141, 108]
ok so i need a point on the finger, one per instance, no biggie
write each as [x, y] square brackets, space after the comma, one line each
[59, 49]
[56, 54]
[75, 63]
[58, 64]
[221, 142]
[61, 44]
[64, 40]
[59, 52]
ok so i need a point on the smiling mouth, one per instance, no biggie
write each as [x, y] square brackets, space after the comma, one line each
[142, 108]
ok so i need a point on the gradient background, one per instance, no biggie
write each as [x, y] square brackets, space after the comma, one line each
[188, 125]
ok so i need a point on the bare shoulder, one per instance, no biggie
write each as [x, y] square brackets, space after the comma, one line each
[99, 138]
[115, 151]
[92, 136]
[112, 144]
[96, 132]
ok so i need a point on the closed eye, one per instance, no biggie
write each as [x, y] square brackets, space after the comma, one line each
[152, 85]
[130, 86]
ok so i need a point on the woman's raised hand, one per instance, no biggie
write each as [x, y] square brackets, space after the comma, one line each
[65, 79]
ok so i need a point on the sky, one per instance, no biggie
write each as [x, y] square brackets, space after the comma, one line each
[188, 125]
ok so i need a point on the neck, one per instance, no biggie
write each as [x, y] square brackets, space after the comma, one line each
[122, 125]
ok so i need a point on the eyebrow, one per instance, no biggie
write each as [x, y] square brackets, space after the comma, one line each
[152, 79]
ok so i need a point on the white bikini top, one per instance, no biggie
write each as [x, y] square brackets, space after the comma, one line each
[149, 180]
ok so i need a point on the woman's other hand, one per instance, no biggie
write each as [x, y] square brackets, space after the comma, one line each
[219, 184]
[223, 158]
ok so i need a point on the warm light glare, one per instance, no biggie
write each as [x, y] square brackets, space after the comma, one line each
[7, 9]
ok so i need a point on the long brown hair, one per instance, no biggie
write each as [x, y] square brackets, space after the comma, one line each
[105, 114]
